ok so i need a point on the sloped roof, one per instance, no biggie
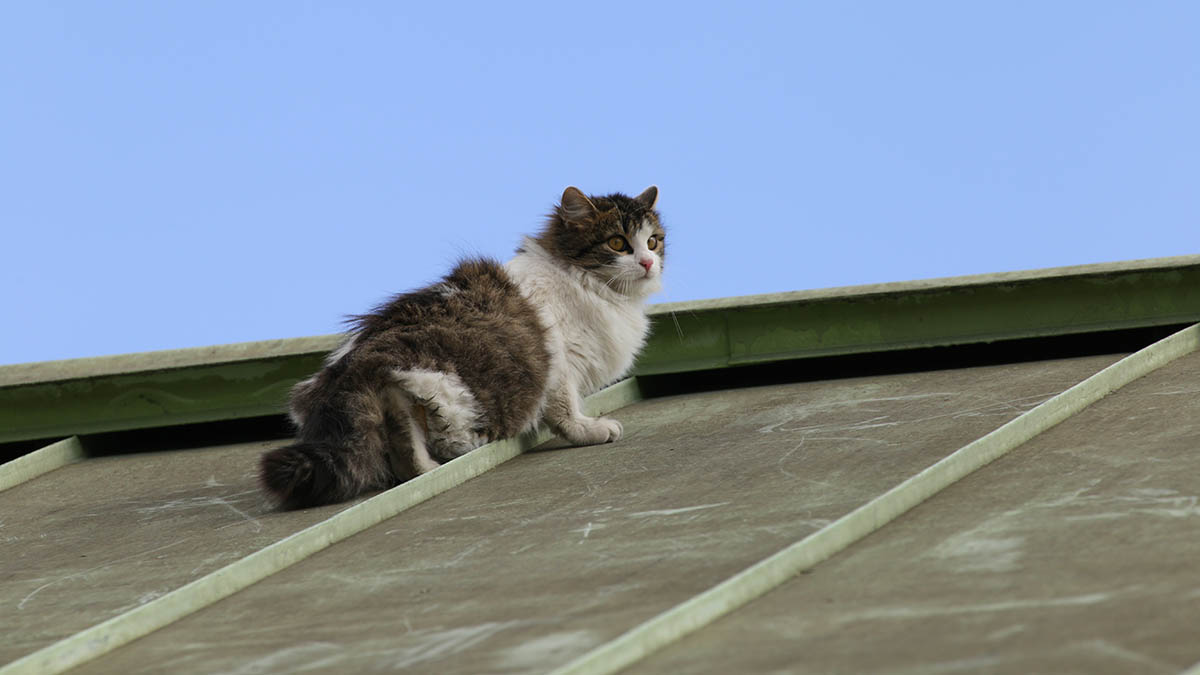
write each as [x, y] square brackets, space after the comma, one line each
[836, 435]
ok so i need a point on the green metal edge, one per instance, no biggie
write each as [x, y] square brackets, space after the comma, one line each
[687, 340]
[685, 337]
[141, 400]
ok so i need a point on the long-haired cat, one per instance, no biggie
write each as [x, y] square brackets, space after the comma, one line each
[482, 355]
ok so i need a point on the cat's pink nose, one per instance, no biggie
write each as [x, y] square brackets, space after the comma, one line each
[647, 263]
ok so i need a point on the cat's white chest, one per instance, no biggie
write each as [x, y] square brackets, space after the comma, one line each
[601, 347]
[593, 334]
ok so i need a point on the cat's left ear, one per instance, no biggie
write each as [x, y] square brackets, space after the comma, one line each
[649, 197]
[576, 207]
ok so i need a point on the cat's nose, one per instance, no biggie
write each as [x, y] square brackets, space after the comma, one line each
[646, 263]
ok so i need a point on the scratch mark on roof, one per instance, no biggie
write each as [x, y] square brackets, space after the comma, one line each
[671, 512]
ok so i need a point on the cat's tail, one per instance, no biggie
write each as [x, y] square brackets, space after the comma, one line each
[309, 474]
[339, 456]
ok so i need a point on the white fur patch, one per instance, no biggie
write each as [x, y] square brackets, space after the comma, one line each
[333, 357]
[446, 290]
[651, 280]
[342, 350]
[593, 331]
[294, 412]
[453, 413]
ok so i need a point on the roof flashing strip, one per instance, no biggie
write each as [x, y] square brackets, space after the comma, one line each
[768, 574]
[1098, 270]
[40, 461]
[718, 334]
[102, 638]
[172, 359]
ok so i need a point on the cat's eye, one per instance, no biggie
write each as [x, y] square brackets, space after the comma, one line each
[652, 243]
[617, 243]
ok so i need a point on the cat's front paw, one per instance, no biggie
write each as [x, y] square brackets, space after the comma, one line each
[592, 430]
[614, 429]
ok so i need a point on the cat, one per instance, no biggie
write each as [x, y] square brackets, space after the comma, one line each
[484, 354]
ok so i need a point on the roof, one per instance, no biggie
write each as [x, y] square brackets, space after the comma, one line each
[987, 472]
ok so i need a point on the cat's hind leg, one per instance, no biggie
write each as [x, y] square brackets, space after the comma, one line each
[418, 421]
[408, 451]
[447, 412]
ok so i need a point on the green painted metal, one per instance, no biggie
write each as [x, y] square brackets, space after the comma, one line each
[239, 381]
[142, 400]
[707, 338]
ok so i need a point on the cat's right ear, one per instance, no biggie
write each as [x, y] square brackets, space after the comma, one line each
[648, 198]
[576, 207]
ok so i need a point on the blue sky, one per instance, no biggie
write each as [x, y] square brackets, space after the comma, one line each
[185, 174]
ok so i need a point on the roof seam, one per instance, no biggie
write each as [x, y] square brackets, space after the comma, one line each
[770, 573]
[104, 637]
[40, 461]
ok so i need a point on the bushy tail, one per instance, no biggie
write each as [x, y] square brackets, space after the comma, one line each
[339, 456]
[308, 474]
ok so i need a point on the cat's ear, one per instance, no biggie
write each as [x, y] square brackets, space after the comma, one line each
[648, 198]
[576, 207]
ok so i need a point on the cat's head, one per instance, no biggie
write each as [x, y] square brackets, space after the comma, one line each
[618, 239]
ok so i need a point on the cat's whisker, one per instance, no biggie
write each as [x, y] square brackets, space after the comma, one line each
[678, 329]
[613, 278]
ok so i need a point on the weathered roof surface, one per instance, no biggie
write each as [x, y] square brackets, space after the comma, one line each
[99, 537]
[573, 546]
[1070, 553]
[1075, 553]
